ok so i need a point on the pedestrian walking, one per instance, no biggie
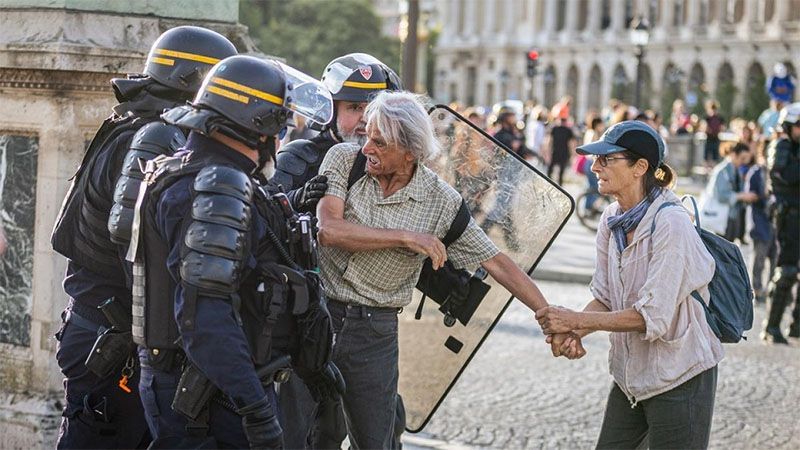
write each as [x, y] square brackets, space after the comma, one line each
[664, 355]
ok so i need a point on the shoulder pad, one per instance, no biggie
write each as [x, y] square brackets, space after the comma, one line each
[158, 138]
[225, 181]
[303, 149]
[216, 240]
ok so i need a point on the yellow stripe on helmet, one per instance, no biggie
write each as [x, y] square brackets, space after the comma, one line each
[362, 85]
[164, 61]
[184, 55]
[228, 94]
[248, 90]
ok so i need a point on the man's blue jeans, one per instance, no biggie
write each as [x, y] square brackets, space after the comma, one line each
[366, 353]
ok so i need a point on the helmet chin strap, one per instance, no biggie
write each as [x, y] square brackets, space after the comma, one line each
[266, 152]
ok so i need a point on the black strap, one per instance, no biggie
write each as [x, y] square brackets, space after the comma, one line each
[358, 170]
[458, 226]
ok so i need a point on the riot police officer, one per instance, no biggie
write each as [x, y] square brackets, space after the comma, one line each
[203, 216]
[352, 80]
[784, 171]
[102, 408]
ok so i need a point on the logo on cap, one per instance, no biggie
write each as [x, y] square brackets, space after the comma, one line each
[366, 72]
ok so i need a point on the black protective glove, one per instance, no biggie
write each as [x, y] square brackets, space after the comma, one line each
[305, 199]
[261, 425]
[325, 384]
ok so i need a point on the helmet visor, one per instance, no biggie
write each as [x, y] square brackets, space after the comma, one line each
[307, 96]
[339, 71]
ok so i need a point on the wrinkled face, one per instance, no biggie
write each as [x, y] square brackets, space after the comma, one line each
[618, 176]
[384, 158]
[350, 121]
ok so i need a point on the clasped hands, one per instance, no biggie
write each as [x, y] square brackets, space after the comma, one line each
[560, 325]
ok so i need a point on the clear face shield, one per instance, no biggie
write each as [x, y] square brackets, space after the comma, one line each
[338, 72]
[307, 96]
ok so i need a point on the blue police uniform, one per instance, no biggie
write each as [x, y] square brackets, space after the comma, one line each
[216, 342]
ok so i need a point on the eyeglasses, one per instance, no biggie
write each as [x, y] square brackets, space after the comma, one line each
[603, 159]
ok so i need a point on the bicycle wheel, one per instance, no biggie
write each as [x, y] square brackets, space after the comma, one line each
[590, 217]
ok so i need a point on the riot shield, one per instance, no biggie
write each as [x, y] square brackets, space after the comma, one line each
[521, 210]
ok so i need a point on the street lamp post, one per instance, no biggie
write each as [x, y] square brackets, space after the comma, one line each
[640, 36]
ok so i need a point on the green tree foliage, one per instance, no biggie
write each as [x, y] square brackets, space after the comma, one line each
[310, 33]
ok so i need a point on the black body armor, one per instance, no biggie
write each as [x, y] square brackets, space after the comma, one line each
[299, 161]
[784, 171]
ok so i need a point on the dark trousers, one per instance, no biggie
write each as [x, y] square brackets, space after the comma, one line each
[169, 428]
[366, 353]
[678, 418]
[97, 412]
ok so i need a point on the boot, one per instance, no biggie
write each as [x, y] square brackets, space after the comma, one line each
[794, 328]
[772, 332]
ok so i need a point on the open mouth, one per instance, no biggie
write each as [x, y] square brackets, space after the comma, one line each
[372, 161]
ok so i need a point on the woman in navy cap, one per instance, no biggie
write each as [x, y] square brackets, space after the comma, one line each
[664, 355]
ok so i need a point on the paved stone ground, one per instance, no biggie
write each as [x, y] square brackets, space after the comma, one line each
[515, 395]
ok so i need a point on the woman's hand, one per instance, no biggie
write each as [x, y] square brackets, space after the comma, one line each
[429, 245]
[568, 345]
[557, 319]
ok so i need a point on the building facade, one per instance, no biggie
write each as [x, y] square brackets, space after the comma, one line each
[697, 49]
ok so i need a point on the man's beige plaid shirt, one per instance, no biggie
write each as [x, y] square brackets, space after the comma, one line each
[386, 278]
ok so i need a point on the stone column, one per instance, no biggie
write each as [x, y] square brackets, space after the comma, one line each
[595, 18]
[617, 16]
[470, 19]
[781, 13]
[489, 18]
[571, 22]
[56, 60]
[551, 18]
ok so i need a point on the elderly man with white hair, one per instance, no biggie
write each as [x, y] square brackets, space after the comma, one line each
[375, 237]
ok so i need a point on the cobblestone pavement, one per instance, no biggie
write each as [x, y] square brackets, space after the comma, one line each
[515, 395]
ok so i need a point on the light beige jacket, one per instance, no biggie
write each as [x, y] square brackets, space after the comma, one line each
[655, 275]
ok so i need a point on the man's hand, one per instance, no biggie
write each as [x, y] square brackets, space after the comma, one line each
[429, 245]
[568, 345]
[306, 199]
[556, 319]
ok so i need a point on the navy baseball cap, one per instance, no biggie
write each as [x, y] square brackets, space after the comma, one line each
[632, 135]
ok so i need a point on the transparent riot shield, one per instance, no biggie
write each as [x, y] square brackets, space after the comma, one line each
[521, 210]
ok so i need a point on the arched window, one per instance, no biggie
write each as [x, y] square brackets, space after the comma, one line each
[561, 16]
[646, 101]
[696, 92]
[573, 83]
[671, 87]
[726, 90]
[595, 88]
[583, 13]
[756, 99]
[550, 82]
[769, 9]
[605, 9]
[621, 85]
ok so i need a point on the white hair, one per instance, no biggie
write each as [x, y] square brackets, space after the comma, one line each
[401, 119]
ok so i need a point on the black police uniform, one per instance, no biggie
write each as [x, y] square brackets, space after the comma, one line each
[784, 171]
[105, 411]
[98, 412]
[296, 163]
[195, 211]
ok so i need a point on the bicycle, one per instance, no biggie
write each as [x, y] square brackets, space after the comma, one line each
[590, 217]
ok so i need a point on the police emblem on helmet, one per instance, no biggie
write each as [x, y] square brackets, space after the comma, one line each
[366, 72]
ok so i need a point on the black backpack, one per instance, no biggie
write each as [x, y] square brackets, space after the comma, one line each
[457, 291]
[730, 309]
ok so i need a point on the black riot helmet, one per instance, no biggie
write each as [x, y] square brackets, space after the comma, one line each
[358, 77]
[181, 57]
[248, 98]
